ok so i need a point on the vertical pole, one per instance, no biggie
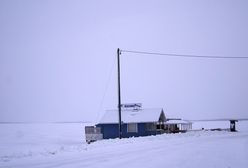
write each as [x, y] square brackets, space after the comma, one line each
[119, 92]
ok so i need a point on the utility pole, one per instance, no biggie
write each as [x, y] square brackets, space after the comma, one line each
[119, 91]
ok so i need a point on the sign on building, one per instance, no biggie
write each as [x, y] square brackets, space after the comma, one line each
[133, 106]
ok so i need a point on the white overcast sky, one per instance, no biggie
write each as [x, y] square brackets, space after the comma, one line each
[57, 58]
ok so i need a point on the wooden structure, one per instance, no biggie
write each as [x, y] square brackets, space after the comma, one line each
[178, 125]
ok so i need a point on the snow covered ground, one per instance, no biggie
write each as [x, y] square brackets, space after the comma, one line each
[63, 145]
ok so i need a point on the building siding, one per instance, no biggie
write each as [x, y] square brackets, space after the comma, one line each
[112, 131]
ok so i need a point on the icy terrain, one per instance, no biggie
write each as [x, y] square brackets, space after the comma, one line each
[62, 145]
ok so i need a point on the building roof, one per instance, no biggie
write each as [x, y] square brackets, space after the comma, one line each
[133, 116]
[177, 122]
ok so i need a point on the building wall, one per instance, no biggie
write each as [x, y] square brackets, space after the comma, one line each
[112, 131]
[109, 130]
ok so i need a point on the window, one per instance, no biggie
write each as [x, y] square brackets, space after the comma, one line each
[150, 127]
[160, 126]
[132, 127]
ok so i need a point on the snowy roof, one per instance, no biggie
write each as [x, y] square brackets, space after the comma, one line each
[177, 122]
[132, 116]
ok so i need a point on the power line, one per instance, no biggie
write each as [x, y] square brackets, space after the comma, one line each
[105, 90]
[182, 55]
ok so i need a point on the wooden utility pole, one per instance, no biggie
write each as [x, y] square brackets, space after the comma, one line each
[119, 91]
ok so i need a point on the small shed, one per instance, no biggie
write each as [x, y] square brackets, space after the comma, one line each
[135, 122]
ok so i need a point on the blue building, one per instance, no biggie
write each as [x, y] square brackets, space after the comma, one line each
[135, 122]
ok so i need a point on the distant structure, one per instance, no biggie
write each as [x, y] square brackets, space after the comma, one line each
[136, 122]
[233, 125]
[177, 125]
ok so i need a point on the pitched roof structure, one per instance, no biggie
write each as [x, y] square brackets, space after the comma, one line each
[133, 116]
